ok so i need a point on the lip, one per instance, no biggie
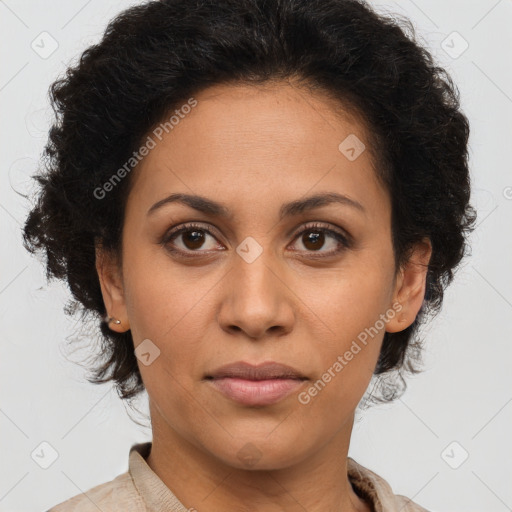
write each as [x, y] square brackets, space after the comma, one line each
[247, 371]
[256, 392]
[260, 385]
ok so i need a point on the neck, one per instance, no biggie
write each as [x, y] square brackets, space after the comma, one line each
[202, 481]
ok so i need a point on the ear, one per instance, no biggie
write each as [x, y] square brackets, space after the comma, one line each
[112, 288]
[410, 286]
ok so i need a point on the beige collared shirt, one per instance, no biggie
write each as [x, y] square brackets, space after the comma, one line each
[141, 490]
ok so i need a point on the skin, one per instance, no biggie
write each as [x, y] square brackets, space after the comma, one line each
[254, 148]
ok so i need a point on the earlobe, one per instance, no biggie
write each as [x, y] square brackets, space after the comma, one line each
[112, 289]
[410, 286]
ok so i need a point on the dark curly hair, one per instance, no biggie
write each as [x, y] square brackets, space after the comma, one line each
[155, 56]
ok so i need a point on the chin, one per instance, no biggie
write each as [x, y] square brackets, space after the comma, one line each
[260, 453]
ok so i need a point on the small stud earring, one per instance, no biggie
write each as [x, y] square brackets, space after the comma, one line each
[112, 319]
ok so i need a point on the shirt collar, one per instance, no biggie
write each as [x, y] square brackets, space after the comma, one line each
[157, 496]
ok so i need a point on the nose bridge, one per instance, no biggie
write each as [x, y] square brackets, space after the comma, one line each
[253, 278]
[257, 298]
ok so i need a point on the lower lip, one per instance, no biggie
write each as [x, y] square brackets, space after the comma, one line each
[256, 392]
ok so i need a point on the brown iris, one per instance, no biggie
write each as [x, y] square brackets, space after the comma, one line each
[194, 237]
[316, 238]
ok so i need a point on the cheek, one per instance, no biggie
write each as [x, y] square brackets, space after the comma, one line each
[348, 308]
[161, 298]
[346, 354]
[173, 310]
[347, 300]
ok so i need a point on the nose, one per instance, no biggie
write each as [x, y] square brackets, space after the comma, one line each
[257, 301]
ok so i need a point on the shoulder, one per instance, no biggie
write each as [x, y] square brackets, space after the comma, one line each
[117, 495]
[377, 491]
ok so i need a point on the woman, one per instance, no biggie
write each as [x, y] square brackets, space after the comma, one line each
[260, 201]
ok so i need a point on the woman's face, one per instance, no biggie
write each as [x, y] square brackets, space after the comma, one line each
[258, 287]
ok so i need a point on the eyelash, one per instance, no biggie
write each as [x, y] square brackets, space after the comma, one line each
[174, 233]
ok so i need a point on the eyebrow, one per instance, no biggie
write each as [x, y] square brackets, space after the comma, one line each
[297, 207]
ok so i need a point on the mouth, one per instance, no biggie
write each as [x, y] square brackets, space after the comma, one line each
[260, 385]
[264, 371]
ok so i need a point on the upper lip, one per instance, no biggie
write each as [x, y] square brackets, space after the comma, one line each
[267, 370]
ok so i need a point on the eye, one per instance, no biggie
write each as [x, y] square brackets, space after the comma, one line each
[316, 236]
[313, 238]
[192, 235]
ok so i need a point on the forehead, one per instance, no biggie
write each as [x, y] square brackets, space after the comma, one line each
[265, 115]
[257, 142]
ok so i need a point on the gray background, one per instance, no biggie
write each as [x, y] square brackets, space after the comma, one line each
[459, 406]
